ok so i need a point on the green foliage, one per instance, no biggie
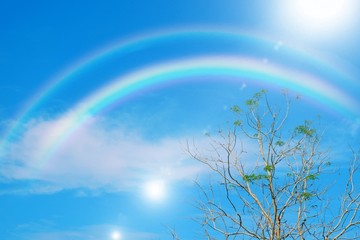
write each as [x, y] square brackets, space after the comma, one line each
[238, 123]
[312, 176]
[269, 168]
[306, 195]
[305, 129]
[255, 177]
[235, 109]
[259, 94]
[253, 102]
[279, 143]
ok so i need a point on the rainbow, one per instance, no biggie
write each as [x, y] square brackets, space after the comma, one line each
[236, 67]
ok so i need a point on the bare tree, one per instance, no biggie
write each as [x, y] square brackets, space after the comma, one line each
[279, 191]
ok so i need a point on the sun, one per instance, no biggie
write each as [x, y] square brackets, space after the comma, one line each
[155, 190]
[115, 235]
[318, 18]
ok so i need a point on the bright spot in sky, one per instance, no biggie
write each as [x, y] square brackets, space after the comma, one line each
[155, 190]
[115, 235]
[318, 18]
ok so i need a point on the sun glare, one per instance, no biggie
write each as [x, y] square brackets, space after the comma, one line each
[155, 190]
[318, 18]
[115, 235]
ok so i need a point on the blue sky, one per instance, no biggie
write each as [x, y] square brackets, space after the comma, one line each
[98, 99]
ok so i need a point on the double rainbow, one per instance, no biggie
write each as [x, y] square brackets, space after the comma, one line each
[236, 67]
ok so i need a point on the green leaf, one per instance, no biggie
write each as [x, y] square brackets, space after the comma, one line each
[269, 168]
[254, 177]
[306, 195]
[238, 123]
[258, 95]
[280, 143]
[304, 129]
[235, 109]
[251, 103]
[312, 176]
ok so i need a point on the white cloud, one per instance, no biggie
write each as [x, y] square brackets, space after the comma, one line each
[97, 155]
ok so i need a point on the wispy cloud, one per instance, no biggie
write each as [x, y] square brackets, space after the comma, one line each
[97, 155]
